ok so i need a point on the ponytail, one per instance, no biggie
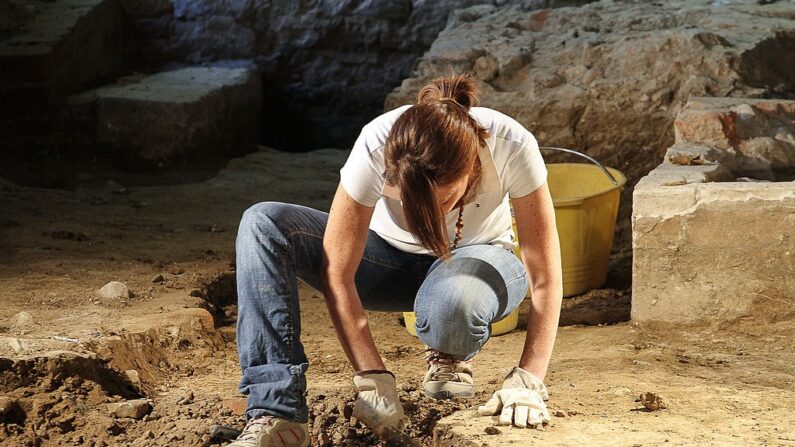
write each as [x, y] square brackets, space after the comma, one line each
[461, 89]
[434, 143]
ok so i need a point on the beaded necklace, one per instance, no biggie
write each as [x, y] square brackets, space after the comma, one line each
[459, 225]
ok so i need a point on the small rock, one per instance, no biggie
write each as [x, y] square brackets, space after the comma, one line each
[237, 405]
[158, 279]
[186, 398]
[346, 409]
[16, 345]
[653, 401]
[69, 235]
[621, 391]
[560, 413]
[149, 434]
[134, 409]
[223, 433]
[491, 430]
[114, 290]
[22, 320]
[319, 408]
[113, 185]
[7, 405]
[133, 377]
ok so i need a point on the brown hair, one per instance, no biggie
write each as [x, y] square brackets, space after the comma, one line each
[434, 143]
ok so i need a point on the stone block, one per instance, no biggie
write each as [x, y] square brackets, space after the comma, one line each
[705, 245]
[713, 251]
[188, 116]
[65, 46]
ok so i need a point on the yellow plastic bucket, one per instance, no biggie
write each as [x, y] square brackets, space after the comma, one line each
[503, 326]
[586, 206]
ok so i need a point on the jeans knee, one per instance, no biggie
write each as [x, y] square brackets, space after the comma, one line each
[456, 325]
[260, 220]
[257, 214]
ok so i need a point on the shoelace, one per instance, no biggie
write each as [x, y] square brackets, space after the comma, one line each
[254, 426]
[446, 365]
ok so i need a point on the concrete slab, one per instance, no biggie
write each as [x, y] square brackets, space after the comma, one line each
[184, 116]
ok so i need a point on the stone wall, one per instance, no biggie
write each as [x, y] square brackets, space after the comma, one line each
[327, 65]
[609, 77]
[710, 243]
[13, 17]
[57, 48]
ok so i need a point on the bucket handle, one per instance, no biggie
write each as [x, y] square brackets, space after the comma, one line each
[592, 160]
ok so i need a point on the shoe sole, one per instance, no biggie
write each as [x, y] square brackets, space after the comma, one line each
[442, 391]
[288, 434]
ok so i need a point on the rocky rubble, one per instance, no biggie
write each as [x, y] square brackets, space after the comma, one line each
[609, 77]
[755, 137]
[331, 423]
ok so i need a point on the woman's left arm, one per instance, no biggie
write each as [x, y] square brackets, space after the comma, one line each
[540, 248]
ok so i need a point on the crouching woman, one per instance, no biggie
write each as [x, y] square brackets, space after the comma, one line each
[420, 222]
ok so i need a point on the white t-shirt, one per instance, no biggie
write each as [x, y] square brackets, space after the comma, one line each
[512, 167]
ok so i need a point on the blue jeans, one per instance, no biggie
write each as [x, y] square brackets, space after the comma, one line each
[277, 243]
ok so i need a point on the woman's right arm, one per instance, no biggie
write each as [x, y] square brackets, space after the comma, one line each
[343, 246]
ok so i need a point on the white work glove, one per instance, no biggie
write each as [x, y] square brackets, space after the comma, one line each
[520, 401]
[377, 404]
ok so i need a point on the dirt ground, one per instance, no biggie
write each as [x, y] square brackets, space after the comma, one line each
[69, 358]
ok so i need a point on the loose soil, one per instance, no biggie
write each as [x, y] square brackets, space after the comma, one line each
[67, 357]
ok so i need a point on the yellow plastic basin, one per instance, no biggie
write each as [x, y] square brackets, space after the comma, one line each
[503, 326]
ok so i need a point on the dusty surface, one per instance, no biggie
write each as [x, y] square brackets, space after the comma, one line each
[172, 340]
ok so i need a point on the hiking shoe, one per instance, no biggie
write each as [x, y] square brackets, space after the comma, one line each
[271, 431]
[447, 377]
